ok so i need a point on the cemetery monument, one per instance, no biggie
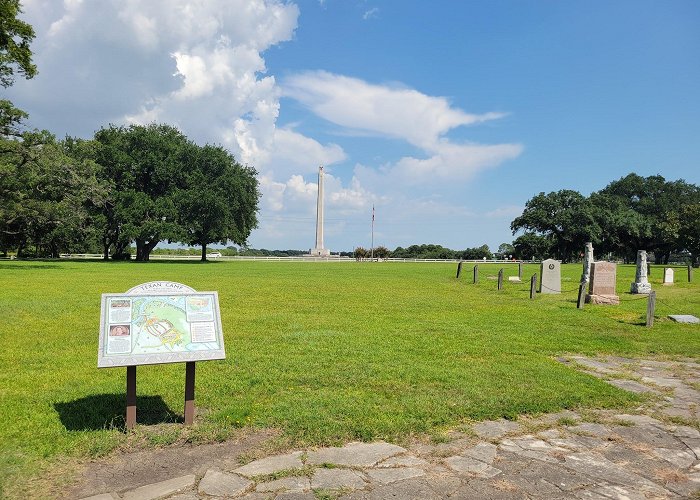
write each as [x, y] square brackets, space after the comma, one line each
[602, 287]
[641, 283]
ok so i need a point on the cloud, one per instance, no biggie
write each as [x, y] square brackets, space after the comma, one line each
[372, 13]
[379, 109]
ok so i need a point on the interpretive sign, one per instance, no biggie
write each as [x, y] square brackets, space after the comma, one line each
[159, 322]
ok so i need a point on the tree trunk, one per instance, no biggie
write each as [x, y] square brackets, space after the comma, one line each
[204, 252]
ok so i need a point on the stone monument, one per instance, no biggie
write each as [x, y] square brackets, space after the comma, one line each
[641, 283]
[602, 286]
[668, 276]
[319, 250]
[550, 276]
[587, 261]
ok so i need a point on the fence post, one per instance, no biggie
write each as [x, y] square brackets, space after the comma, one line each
[500, 279]
[533, 286]
[520, 270]
[690, 273]
[476, 273]
[459, 268]
[651, 305]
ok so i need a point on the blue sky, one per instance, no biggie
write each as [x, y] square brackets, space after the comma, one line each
[446, 116]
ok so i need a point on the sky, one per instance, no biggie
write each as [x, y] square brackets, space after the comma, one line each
[446, 117]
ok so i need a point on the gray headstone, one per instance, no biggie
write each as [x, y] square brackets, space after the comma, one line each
[668, 276]
[641, 282]
[550, 276]
[602, 287]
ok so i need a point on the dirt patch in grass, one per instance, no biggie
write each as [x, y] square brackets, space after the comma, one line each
[133, 469]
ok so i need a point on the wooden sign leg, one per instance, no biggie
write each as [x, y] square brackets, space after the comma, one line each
[130, 397]
[189, 393]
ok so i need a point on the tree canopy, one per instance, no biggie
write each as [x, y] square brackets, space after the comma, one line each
[15, 58]
[629, 214]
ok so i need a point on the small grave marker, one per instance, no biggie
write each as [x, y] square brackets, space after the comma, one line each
[533, 286]
[684, 318]
[500, 279]
[690, 273]
[668, 276]
[520, 270]
[476, 273]
[459, 269]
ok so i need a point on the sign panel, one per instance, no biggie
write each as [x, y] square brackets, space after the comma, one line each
[159, 324]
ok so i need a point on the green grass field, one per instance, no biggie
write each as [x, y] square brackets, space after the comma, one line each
[325, 352]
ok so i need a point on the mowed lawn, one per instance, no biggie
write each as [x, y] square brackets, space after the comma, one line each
[325, 352]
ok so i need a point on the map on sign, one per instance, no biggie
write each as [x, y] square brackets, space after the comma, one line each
[159, 327]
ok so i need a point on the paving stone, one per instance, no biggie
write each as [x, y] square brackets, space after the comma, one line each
[599, 366]
[388, 476]
[295, 483]
[444, 485]
[693, 445]
[270, 465]
[651, 435]
[549, 434]
[253, 496]
[218, 483]
[472, 466]
[605, 470]
[680, 458]
[411, 489]
[185, 496]
[495, 429]
[403, 461]
[354, 454]
[295, 495]
[335, 479]
[590, 429]
[103, 496]
[161, 489]
[632, 386]
[683, 431]
[639, 419]
[484, 452]
[663, 382]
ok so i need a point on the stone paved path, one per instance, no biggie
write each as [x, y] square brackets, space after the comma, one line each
[653, 453]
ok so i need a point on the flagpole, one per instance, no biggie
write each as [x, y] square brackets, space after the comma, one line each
[372, 250]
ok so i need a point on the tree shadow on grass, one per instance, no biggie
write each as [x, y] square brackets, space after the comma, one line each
[107, 411]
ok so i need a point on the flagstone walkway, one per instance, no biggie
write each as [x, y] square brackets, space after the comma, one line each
[653, 452]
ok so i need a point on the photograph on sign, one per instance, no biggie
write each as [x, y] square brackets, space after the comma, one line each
[152, 328]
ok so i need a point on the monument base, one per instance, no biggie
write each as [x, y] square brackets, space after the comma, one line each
[640, 288]
[612, 300]
[319, 252]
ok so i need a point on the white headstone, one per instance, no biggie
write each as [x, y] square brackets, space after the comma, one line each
[668, 276]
